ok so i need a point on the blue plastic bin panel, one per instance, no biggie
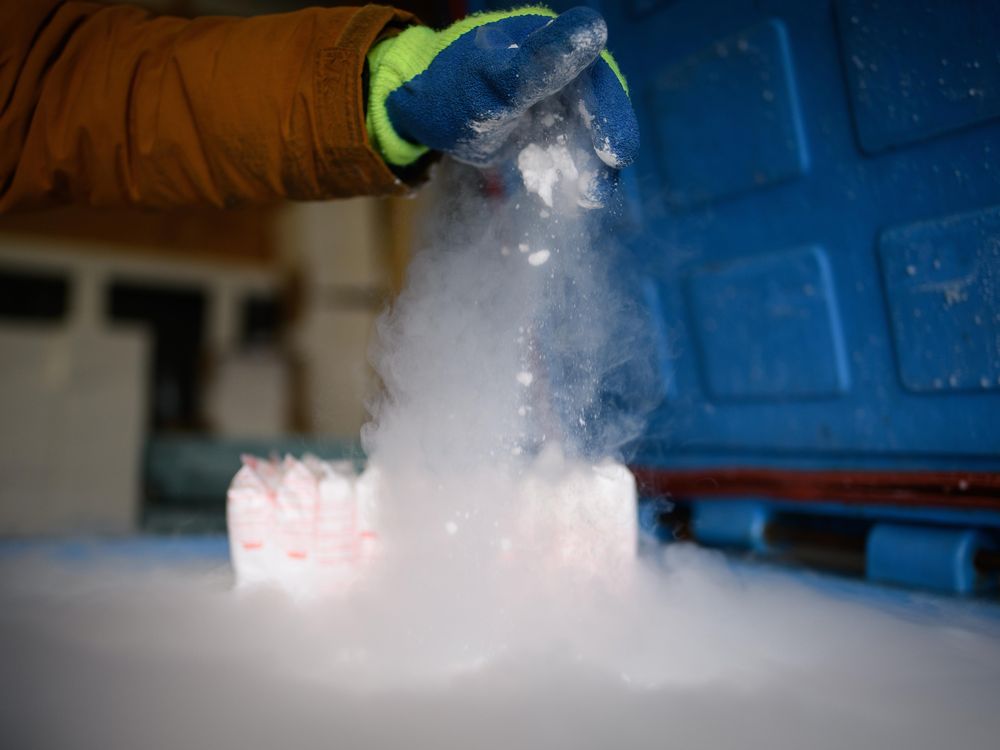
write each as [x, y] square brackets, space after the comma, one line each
[786, 303]
[919, 68]
[942, 280]
[746, 78]
[812, 221]
[767, 328]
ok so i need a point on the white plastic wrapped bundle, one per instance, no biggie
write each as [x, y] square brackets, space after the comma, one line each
[306, 526]
[580, 517]
[309, 526]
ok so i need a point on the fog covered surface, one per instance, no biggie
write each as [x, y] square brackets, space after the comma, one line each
[111, 653]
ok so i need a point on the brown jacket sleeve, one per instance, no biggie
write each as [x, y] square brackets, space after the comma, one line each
[110, 105]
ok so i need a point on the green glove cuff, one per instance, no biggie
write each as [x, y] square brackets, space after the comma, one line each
[397, 60]
[392, 63]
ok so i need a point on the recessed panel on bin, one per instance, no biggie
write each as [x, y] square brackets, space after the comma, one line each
[727, 118]
[942, 278]
[767, 328]
[919, 68]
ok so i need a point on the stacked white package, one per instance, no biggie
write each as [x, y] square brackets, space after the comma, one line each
[307, 526]
[580, 517]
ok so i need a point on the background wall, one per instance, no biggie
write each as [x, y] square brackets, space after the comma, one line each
[79, 398]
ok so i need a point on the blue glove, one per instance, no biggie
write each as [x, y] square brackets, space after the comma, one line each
[463, 90]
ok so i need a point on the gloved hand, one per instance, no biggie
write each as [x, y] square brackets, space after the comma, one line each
[463, 89]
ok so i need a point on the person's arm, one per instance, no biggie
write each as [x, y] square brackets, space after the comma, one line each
[110, 105]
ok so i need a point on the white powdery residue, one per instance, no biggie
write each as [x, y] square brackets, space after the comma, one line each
[607, 155]
[539, 258]
[490, 133]
[451, 528]
[593, 37]
[543, 168]
[524, 247]
[584, 113]
[584, 45]
[586, 191]
[550, 118]
[525, 378]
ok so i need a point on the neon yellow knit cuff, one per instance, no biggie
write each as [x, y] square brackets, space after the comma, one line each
[392, 63]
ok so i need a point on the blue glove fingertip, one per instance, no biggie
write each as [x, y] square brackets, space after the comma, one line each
[607, 111]
[550, 57]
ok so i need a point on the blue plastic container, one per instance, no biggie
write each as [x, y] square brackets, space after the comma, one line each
[815, 222]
